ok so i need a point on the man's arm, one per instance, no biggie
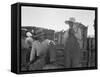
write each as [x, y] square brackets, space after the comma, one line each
[78, 34]
[65, 36]
[32, 54]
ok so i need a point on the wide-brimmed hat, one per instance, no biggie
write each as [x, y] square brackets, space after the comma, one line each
[70, 21]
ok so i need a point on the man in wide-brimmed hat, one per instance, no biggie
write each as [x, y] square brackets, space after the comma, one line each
[72, 48]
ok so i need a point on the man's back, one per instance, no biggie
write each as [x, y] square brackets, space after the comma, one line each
[39, 48]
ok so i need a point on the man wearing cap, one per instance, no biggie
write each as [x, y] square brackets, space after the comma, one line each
[72, 48]
[29, 39]
[26, 48]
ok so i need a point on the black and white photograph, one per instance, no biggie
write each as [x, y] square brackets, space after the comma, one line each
[57, 38]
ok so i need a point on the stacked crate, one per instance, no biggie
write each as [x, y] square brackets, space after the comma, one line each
[91, 49]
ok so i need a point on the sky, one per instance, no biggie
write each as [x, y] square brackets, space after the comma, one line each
[54, 18]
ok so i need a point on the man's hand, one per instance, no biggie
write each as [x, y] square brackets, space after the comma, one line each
[78, 34]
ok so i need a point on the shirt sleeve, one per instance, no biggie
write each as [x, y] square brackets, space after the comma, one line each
[32, 54]
[78, 34]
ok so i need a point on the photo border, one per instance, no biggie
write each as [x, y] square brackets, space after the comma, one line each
[60, 7]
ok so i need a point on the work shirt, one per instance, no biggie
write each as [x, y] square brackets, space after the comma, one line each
[29, 41]
[77, 34]
[39, 48]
